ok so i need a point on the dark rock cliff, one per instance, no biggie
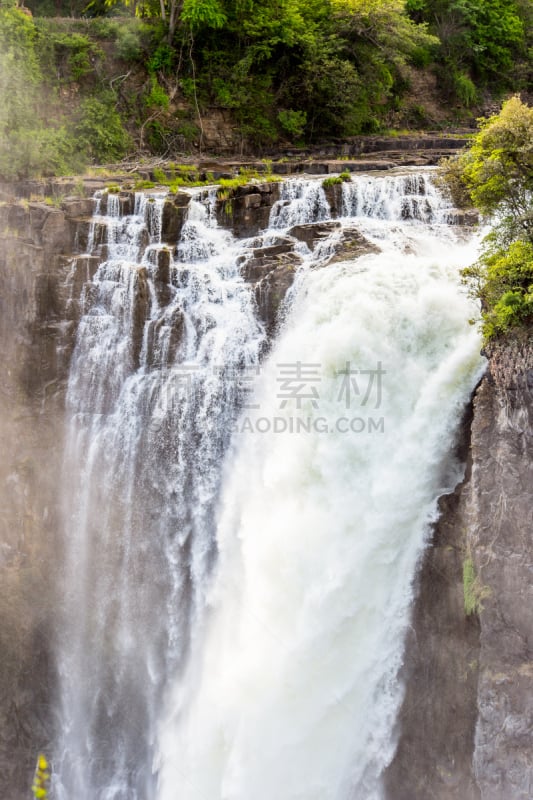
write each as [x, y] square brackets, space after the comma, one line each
[36, 335]
[466, 722]
[465, 726]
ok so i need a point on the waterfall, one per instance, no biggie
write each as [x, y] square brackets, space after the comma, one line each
[239, 565]
[152, 398]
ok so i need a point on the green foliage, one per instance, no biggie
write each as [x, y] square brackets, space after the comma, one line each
[100, 131]
[162, 59]
[27, 145]
[503, 280]
[293, 122]
[465, 89]
[496, 174]
[73, 55]
[473, 591]
[156, 97]
[227, 186]
[303, 70]
[200, 13]
[129, 44]
[497, 170]
[336, 180]
[482, 40]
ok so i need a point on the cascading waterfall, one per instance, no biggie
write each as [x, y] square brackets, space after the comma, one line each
[234, 628]
[152, 397]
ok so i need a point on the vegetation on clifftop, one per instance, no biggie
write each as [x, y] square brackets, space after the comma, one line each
[107, 78]
[496, 175]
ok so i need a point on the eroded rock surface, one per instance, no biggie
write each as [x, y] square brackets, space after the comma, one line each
[467, 720]
[246, 210]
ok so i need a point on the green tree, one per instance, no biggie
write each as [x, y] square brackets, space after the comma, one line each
[496, 174]
[497, 170]
[479, 39]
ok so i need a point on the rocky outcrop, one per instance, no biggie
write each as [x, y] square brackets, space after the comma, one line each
[174, 215]
[466, 722]
[313, 232]
[246, 209]
[36, 326]
[500, 543]
[273, 268]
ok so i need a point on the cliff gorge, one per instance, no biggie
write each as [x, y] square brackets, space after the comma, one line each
[33, 325]
[464, 730]
[467, 717]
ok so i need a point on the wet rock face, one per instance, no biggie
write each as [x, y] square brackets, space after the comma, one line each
[273, 268]
[352, 245]
[437, 720]
[246, 210]
[468, 217]
[499, 538]
[270, 292]
[313, 232]
[140, 312]
[174, 217]
[465, 726]
[36, 342]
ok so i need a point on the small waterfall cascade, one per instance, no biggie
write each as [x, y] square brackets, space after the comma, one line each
[243, 525]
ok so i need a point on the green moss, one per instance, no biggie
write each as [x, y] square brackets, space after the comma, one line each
[336, 180]
[473, 591]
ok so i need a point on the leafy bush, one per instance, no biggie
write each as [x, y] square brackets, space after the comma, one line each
[293, 122]
[465, 89]
[100, 131]
[336, 180]
[156, 97]
[129, 46]
[68, 54]
[496, 174]
[162, 59]
[503, 281]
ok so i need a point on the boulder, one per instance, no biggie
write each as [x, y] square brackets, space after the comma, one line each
[352, 245]
[313, 232]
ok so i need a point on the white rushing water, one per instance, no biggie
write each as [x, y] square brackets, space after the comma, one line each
[234, 628]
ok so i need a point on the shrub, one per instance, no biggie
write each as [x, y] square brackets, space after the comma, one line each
[293, 122]
[335, 180]
[100, 130]
[129, 46]
[156, 97]
[496, 173]
[473, 591]
[503, 280]
[465, 90]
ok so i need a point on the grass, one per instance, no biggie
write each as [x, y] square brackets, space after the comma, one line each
[336, 180]
[473, 591]
[183, 176]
